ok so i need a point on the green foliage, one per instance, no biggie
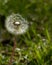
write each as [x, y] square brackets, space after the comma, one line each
[36, 44]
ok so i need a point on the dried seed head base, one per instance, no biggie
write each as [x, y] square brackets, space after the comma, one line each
[19, 27]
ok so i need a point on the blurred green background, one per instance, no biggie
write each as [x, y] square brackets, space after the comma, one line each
[35, 46]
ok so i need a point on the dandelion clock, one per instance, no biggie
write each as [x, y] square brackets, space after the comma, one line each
[16, 25]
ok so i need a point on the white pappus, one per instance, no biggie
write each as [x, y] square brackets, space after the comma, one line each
[16, 24]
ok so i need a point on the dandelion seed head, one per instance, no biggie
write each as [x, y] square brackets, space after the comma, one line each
[15, 24]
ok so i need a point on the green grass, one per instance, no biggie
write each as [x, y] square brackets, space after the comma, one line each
[36, 44]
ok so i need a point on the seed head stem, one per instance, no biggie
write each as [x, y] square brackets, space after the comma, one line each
[13, 52]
